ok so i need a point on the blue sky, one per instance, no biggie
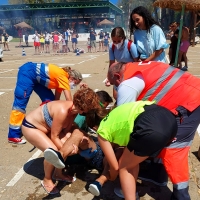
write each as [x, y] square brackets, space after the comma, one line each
[3, 2]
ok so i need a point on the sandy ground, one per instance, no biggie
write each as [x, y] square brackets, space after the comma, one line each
[21, 167]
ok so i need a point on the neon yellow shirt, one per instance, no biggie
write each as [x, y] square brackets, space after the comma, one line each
[42, 39]
[117, 126]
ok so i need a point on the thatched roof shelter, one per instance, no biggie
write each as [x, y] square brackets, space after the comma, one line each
[190, 5]
[105, 22]
[22, 25]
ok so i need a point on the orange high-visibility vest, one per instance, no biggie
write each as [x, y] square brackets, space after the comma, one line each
[168, 86]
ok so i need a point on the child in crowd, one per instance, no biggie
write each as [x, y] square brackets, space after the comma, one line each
[47, 41]
[26, 37]
[183, 49]
[64, 46]
[55, 41]
[36, 38]
[5, 41]
[42, 40]
[101, 40]
[89, 45]
[106, 41]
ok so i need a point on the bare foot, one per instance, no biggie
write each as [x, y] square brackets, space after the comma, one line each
[65, 178]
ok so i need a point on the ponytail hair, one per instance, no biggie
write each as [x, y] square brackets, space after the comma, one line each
[73, 73]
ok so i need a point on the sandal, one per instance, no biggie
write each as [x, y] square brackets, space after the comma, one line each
[67, 179]
[53, 189]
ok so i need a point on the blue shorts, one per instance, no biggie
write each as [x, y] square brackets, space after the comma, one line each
[74, 40]
[105, 42]
[97, 161]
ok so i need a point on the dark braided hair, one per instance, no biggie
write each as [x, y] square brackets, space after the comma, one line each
[148, 19]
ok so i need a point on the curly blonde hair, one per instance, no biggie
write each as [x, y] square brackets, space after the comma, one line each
[86, 99]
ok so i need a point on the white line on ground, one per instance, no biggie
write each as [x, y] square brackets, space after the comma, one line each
[65, 64]
[10, 61]
[85, 61]
[5, 71]
[21, 172]
[9, 77]
[86, 75]
[198, 129]
[2, 93]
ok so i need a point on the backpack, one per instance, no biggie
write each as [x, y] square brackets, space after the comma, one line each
[128, 47]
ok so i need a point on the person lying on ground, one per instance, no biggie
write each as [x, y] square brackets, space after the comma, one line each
[81, 143]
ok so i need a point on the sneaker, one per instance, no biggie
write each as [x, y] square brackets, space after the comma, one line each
[119, 193]
[184, 68]
[95, 188]
[16, 141]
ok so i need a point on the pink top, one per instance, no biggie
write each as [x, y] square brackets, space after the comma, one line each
[55, 38]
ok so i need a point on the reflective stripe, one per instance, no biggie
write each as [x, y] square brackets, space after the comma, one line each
[169, 70]
[38, 68]
[38, 72]
[169, 85]
[181, 186]
[47, 75]
[44, 69]
[14, 127]
[18, 109]
[179, 145]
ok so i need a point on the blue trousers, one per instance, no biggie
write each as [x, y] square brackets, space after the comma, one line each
[26, 84]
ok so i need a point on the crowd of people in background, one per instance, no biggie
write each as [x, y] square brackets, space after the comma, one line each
[156, 124]
[59, 42]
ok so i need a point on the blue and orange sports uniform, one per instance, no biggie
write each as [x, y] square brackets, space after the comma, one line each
[179, 92]
[40, 78]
